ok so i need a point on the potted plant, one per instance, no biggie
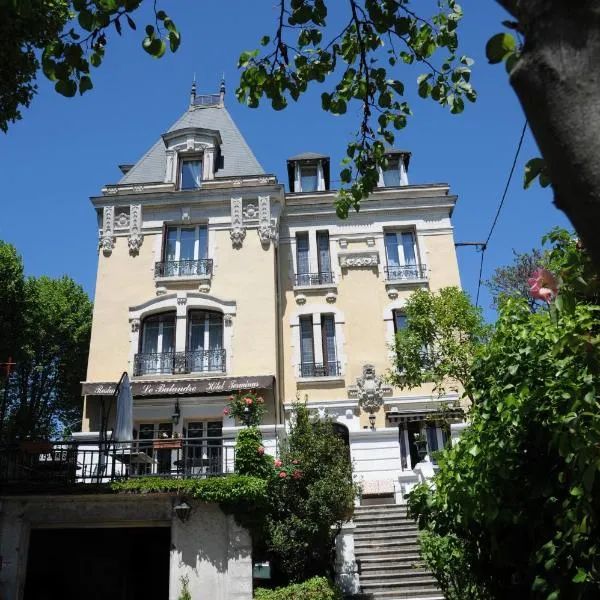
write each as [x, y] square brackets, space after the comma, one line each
[421, 445]
[168, 443]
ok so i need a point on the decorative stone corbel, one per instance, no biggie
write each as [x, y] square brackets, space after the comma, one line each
[107, 240]
[238, 231]
[135, 229]
[267, 227]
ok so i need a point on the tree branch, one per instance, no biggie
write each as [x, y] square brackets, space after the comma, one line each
[510, 6]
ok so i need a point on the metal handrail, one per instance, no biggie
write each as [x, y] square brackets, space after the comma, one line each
[405, 272]
[67, 463]
[326, 369]
[184, 268]
[178, 363]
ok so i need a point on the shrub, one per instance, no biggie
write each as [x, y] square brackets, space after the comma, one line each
[310, 501]
[247, 407]
[517, 500]
[317, 588]
[250, 457]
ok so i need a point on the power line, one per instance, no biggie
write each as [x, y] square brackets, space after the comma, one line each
[500, 205]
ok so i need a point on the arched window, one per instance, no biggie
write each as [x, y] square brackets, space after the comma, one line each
[157, 347]
[205, 350]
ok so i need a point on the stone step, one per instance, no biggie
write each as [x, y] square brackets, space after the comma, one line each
[385, 543]
[383, 561]
[392, 575]
[390, 551]
[391, 520]
[385, 535]
[418, 594]
[381, 509]
[416, 583]
[396, 567]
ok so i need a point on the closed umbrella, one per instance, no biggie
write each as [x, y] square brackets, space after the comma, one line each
[124, 421]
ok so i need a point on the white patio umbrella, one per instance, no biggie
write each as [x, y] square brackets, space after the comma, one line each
[124, 421]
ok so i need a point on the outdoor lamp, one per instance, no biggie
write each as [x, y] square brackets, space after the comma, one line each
[176, 413]
[246, 417]
[372, 421]
[182, 510]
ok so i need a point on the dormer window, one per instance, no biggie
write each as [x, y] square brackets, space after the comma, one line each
[394, 172]
[391, 173]
[308, 178]
[308, 173]
[190, 173]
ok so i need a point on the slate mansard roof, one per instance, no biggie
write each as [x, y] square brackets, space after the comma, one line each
[238, 159]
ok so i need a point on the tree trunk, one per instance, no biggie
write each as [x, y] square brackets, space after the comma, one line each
[557, 81]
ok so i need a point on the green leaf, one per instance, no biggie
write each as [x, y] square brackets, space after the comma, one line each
[264, 40]
[66, 87]
[533, 168]
[499, 46]
[174, 40]
[85, 84]
[580, 576]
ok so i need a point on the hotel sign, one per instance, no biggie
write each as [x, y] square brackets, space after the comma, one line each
[213, 385]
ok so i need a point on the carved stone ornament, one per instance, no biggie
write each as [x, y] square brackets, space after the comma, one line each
[107, 240]
[227, 319]
[238, 231]
[122, 220]
[250, 211]
[370, 390]
[182, 301]
[359, 259]
[135, 325]
[135, 229]
[267, 228]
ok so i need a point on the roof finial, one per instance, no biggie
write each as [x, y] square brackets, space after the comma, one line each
[222, 91]
[193, 94]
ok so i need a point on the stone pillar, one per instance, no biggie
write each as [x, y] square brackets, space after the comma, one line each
[14, 542]
[346, 569]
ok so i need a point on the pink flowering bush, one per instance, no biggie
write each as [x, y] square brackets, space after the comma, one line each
[247, 407]
[543, 285]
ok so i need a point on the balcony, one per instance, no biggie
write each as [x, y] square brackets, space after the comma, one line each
[327, 369]
[171, 272]
[184, 268]
[310, 279]
[180, 363]
[405, 273]
[69, 463]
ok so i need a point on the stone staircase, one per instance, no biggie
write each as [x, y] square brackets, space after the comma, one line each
[385, 543]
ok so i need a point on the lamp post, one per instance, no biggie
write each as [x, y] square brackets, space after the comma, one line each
[372, 421]
[246, 416]
[176, 413]
[182, 510]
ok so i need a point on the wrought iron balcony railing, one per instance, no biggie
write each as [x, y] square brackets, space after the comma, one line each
[177, 363]
[405, 272]
[327, 369]
[184, 268]
[324, 278]
[65, 463]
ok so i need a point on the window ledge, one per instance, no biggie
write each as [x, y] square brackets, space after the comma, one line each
[317, 380]
[176, 376]
[202, 281]
[392, 285]
[316, 288]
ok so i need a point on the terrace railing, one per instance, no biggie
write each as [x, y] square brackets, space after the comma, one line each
[67, 463]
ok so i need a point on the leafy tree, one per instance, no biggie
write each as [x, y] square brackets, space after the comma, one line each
[553, 73]
[442, 334]
[310, 501]
[24, 30]
[518, 498]
[12, 298]
[511, 281]
[44, 389]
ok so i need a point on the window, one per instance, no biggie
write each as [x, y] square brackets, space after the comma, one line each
[309, 365]
[401, 255]
[399, 320]
[185, 252]
[323, 276]
[308, 178]
[162, 458]
[190, 173]
[157, 346]
[329, 347]
[204, 448]
[205, 350]
[391, 173]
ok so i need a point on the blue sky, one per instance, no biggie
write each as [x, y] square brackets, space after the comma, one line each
[65, 150]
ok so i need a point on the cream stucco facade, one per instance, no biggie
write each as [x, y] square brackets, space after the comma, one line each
[233, 283]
